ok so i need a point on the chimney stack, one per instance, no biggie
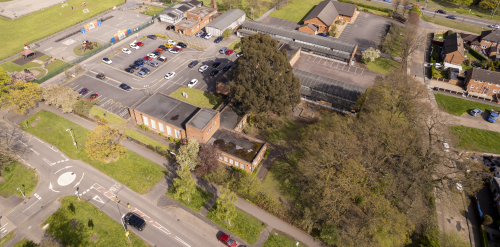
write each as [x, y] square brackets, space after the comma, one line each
[214, 4]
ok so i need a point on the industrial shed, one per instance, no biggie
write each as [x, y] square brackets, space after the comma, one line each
[229, 19]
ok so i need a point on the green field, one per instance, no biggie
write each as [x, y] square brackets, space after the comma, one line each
[382, 65]
[41, 24]
[17, 176]
[198, 98]
[295, 10]
[80, 223]
[477, 140]
[11, 67]
[136, 172]
[458, 106]
[110, 117]
[279, 239]
[197, 201]
[144, 139]
[457, 24]
[151, 10]
[264, 6]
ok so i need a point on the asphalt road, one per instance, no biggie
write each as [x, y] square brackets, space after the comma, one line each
[60, 176]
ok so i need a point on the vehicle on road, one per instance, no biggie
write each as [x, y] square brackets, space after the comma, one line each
[203, 68]
[174, 51]
[192, 83]
[239, 54]
[152, 55]
[134, 66]
[160, 50]
[218, 39]
[83, 91]
[179, 48]
[214, 72]
[216, 64]
[208, 36]
[125, 87]
[227, 240]
[182, 45]
[223, 50]
[475, 112]
[163, 59]
[126, 51]
[139, 43]
[100, 76]
[171, 42]
[134, 46]
[322, 34]
[141, 73]
[169, 75]
[229, 52]
[153, 37]
[193, 63]
[493, 116]
[388, 1]
[451, 17]
[227, 67]
[107, 60]
[92, 96]
[153, 64]
[494, 26]
[130, 70]
[134, 220]
[440, 11]
[148, 58]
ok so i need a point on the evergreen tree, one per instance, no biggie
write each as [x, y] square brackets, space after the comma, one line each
[184, 185]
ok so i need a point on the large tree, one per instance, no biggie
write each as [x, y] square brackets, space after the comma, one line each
[184, 185]
[104, 144]
[64, 97]
[488, 4]
[263, 80]
[209, 159]
[10, 146]
[413, 38]
[226, 210]
[188, 155]
[17, 95]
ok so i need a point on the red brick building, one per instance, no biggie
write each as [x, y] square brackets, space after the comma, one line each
[483, 81]
[196, 19]
[453, 51]
[324, 15]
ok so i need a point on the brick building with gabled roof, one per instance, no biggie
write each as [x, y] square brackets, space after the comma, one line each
[324, 15]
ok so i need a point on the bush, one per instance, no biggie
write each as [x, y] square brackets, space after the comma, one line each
[335, 34]
[477, 54]
[247, 129]
[226, 33]
[146, 128]
[333, 28]
[161, 36]
[177, 140]
[237, 46]
[143, 126]
[267, 152]
[492, 66]
[487, 220]
[161, 134]
[150, 147]
[236, 169]
[171, 139]
[338, 22]
[389, 14]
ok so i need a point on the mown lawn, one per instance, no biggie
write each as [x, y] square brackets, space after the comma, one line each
[458, 106]
[457, 24]
[17, 176]
[243, 225]
[279, 239]
[382, 65]
[144, 139]
[151, 10]
[10, 66]
[231, 46]
[295, 10]
[136, 172]
[197, 201]
[80, 223]
[110, 117]
[477, 140]
[198, 98]
[41, 24]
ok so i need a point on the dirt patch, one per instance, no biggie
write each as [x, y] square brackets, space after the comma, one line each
[37, 119]
[34, 124]
[94, 238]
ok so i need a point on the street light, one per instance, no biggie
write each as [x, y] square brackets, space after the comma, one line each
[74, 142]
[21, 191]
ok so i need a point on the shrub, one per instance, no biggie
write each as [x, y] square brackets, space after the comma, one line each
[161, 134]
[236, 169]
[389, 14]
[247, 129]
[177, 140]
[143, 126]
[335, 34]
[267, 152]
[338, 22]
[477, 54]
[237, 46]
[333, 28]
[487, 220]
[146, 128]
[330, 33]
[171, 139]
[492, 66]
[226, 33]
[150, 147]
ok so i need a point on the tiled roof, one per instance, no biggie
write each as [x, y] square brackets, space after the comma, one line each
[485, 75]
[345, 9]
[453, 43]
[325, 11]
[491, 35]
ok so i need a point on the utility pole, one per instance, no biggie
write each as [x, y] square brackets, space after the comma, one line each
[493, 12]
[74, 142]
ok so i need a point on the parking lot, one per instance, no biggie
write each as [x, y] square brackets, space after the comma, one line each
[366, 31]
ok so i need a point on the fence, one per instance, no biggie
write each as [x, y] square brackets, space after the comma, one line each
[440, 79]
[465, 94]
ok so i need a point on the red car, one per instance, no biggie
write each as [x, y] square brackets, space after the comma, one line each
[139, 43]
[178, 48]
[229, 52]
[92, 96]
[148, 58]
[227, 241]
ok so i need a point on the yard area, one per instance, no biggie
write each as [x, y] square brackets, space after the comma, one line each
[136, 172]
[279, 239]
[32, 66]
[80, 223]
[17, 176]
[477, 140]
[454, 24]
[459, 107]
[198, 200]
[33, 27]
[198, 98]
[382, 65]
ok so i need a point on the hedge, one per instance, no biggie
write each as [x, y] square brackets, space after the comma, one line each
[367, 6]
[477, 54]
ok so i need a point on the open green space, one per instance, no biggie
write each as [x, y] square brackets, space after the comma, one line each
[110, 117]
[152, 10]
[144, 139]
[231, 46]
[243, 225]
[457, 24]
[80, 223]
[458, 106]
[382, 65]
[279, 239]
[453, 8]
[197, 200]
[41, 72]
[244, 5]
[55, 64]
[78, 52]
[198, 98]
[25, 243]
[17, 176]
[41, 24]
[477, 139]
[10, 66]
[295, 10]
[7, 238]
[136, 172]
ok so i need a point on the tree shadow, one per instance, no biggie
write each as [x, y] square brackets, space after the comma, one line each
[90, 224]
[72, 208]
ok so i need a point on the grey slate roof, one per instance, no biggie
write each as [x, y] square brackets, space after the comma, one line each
[299, 37]
[453, 43]
[202, 118]
[325, 11]
[226, 19]
[328, 86]
[311, 26]
[167, 109]
[485, 75]
[345, 9]
[491, 35]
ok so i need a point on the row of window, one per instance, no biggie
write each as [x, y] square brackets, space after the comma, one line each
[162, 130]
[232, 162]
[473, 86]
[489, 83]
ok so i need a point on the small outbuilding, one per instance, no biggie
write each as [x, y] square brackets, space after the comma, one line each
[228, 20]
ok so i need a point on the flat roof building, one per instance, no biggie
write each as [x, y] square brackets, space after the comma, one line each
[228, 20]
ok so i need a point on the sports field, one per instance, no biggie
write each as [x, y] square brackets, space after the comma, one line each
[41, 24]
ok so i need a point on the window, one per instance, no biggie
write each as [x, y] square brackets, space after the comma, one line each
[472, 86]
[225, 159]
[236, 163]
[146, 122]
[169, 131]
[475, 80]
[211, 128]
[242, 166]
[153, 124]
[484, 46]
[177, 134]
[220, 157]
[231, 161]
[161, 127]
[498, 85]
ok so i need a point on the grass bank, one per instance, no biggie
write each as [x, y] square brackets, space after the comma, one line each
[279, 239]
[456, 24]
[382, 65]
[17, 176]
[197, 201]
[459, 107]
[477, 140]
[197, 97]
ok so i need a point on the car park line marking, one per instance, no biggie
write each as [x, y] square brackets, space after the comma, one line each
[124, 112]
[180, 240]
[105, 102]
[104, 81]
[35, 151]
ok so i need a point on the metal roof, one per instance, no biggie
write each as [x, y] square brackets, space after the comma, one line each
[328, 86]
[226, 19]
[202, 118]
[300, 37]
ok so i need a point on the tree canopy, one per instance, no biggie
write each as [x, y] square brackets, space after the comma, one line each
[263, 80]
[17, 95]
[188, 155]
[64, 97]
[104, 144]
[184, 185]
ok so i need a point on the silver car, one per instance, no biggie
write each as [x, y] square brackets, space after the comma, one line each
[153, 64]
[141, 73]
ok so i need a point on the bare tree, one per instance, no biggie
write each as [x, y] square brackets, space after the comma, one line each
[406, 5]
[11, 146]
[413, 38]
[396, 4]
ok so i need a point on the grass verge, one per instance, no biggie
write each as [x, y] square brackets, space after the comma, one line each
[151, 10]
[477, 139]
[7, 238]
[25, 243]
[454, 24]
[198, 98]
[279, 239]
[144, 139]
[382, 65]
[243, 225]
[453, 8]
[17, 176]
[110, 117]
[80, 223]
[136, 172]
[198, 200]
[231, 46]
[10, 66]
[458, 106]
[78, 52]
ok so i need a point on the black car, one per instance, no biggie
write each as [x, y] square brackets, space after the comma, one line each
[170, 27]
[152, 37]
[100, 76]
[146, 70]
[239, 54]
[451, 17]
[134, 66]
[218, 39]
[216, 64]
[441, 11]
[157, 53]
[214, 72]
[130, 70]
[135, 220]
[125, 87]
[182, 45]
[193, 63]
[163, 59]
[163, 47]
[227, 67]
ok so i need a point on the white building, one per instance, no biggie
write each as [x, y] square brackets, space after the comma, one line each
[177, 13]
[228, 20]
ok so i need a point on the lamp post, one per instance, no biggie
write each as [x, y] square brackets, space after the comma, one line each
[21, 191]
[74, 142]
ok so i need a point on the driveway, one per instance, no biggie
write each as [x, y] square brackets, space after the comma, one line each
[366, 31]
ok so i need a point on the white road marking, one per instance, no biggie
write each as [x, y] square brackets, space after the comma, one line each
[30, 206]
[47, 161]
[97, 198]
[35, 151]
[180, 240]
[51, 188]
[62, 169]
[83, 174]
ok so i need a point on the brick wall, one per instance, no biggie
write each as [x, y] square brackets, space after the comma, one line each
[295, 57]
[202, 136]
[322, 27]
[241, 124]
[157, 127]
[231, 160]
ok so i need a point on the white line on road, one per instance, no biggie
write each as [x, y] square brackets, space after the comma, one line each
[35, 151]
[62, 169]
[48, 162]
[31, 206]
[180, 240]
[51, 188]
[83, 174]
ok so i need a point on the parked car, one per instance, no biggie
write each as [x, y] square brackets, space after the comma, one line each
[146, 70]
[139, 62]
[139, 43]
[203, 68]
[153, 37]
[130, 70]
[198, 34]
[389, 1]
[437, 65]
[156, 53]
[475, 112]
[134, 220]
[169, 75]
[440, 11]
[141, 73]
[218, 39]
[182, 45]
[160, 50]
[239, 54]
[216, 64]
[223, 50]
[451, 17]
[92, 96]
[208, 36]
[162, 59]
[227, 240]
[152, 55]
[227, 67]
[169, 46]
[178, 48]
[193, 63]
[170, 27]
[148, 58]
[153, 64]
[126, 51]
[214, 72]
[107, 60]
[323, 34]
[134, 46]
[229, 52]
[494, 26]
[83, 91]
[171, 42]
[493, 116]
[203, 35]
[192, 83]
[174, 51]
[163, 47]
[100, 76]
[125, 87]
[134, 66]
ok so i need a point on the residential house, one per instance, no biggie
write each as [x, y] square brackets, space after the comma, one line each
[324, 15]
[482, 81]
[453, 51]
[486, 43]
[308, 28]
